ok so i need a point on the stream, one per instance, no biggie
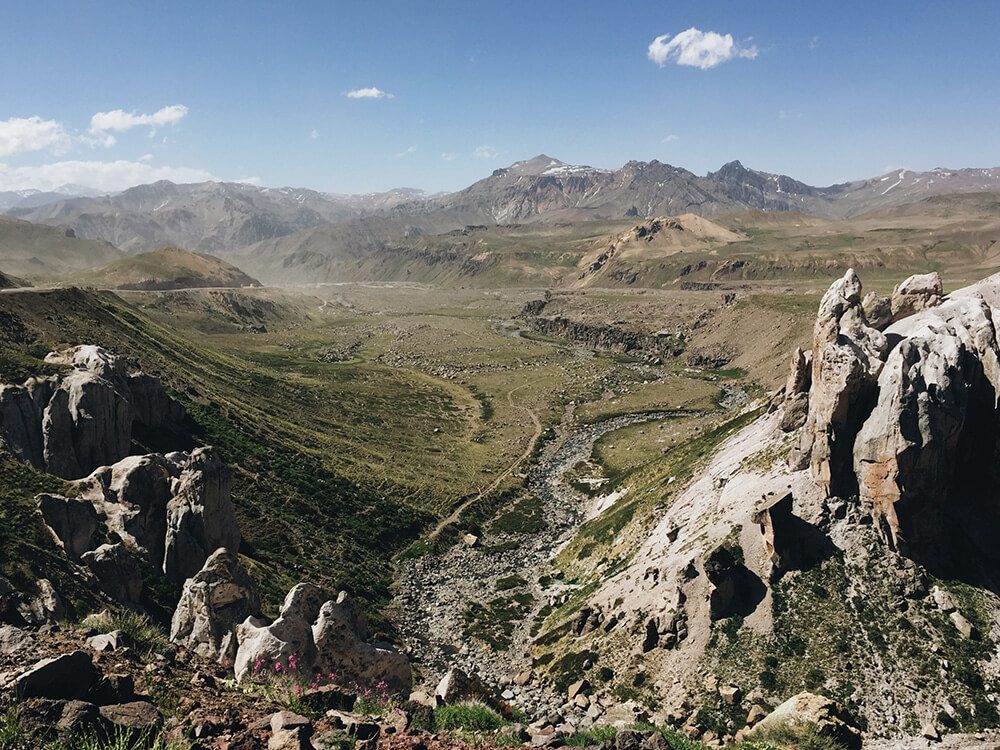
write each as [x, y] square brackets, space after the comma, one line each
[434, 592]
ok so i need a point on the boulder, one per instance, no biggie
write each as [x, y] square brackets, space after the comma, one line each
[580, 687]
[68, 677]
[291, 739]
[790, 542]
[847, 358]
[13, 640]
[965, 628]
[829, 719]
[878, 310]
[43, 606]
[918, 292]
[213, 602]
[67, 717]
[141, 716]
[288, 720]
[117, 571]
[458, 686]
[112, 641]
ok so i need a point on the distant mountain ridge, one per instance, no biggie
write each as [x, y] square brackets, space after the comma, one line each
[221, 217]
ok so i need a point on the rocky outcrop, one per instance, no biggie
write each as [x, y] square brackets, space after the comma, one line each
[918, 292]
[339, 634]
[290, 634]
[908, 418]
[172, 510]
[323, 635]
[847, 358]
[935, 426]
[213, 602]
[606, 337]
[117, 571]
[200, 515]
[71, 423]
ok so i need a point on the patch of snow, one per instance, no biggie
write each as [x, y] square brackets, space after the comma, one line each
[897, 182]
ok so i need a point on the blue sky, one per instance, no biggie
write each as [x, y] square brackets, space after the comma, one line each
[824, 92]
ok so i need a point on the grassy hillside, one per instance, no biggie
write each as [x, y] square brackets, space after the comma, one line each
[339, 460]
[165, 268]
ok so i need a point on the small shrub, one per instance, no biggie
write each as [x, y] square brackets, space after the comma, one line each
[148, 638]
[470, 717]
[592, 736]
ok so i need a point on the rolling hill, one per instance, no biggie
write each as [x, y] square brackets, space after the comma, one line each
[166, 268]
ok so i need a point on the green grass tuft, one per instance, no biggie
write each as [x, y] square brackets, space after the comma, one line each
[468, 717]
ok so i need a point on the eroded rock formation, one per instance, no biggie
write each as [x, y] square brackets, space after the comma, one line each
[908, 419]
[847, 357]
[71, 423]
[934, 427]
[172, 510]
[219, 597]
[324, 635]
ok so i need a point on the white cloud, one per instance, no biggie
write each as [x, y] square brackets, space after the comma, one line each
[94, 141]
[406, 152]
[146, 157]
[449, 156]
[699, 49]
[669, 139]
[314, 134]
[22, 134]
[119, 120]
[255, 181]
[369, 93]
[110, 176]
[485, 152]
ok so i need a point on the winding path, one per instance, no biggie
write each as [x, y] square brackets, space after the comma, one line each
[457, 513]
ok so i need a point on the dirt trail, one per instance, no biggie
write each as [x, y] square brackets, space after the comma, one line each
[457, 513]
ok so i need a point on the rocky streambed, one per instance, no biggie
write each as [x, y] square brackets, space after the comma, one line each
[474, 605]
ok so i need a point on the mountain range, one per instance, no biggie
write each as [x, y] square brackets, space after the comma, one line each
[292, 233]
